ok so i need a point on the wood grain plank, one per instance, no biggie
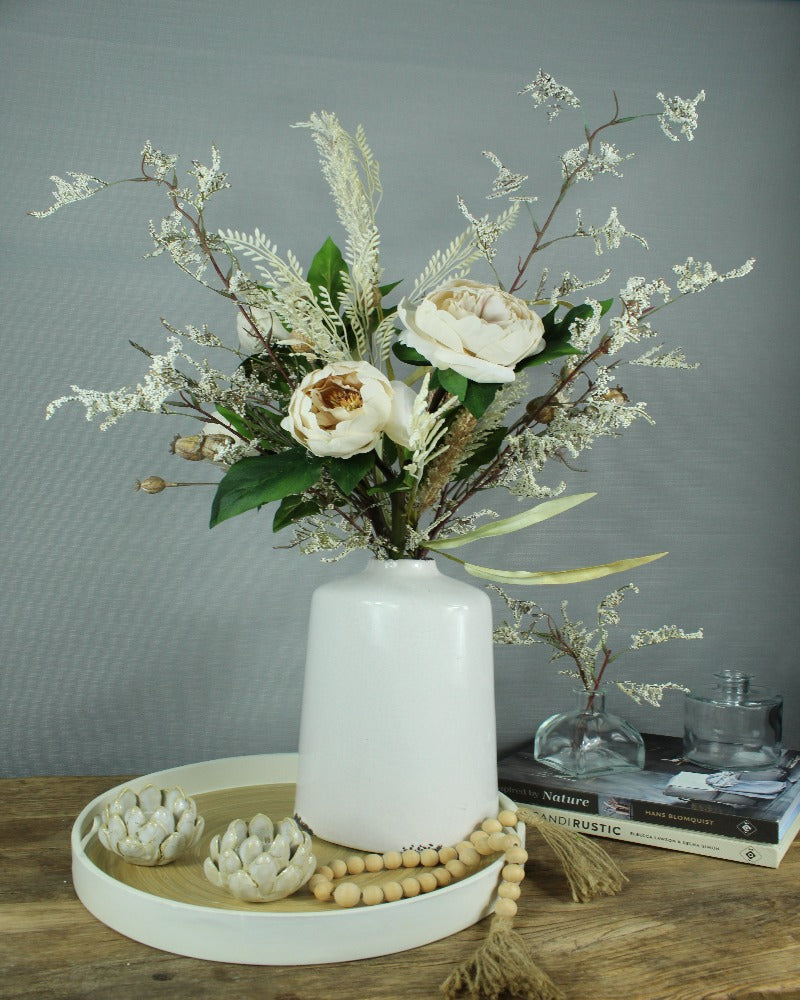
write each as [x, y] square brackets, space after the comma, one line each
[685, 928]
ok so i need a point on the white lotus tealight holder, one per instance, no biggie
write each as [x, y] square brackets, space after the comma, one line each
[152, 828]
[258, 862]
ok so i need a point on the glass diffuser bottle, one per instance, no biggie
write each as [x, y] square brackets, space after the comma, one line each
[735, 725]
[588, 740]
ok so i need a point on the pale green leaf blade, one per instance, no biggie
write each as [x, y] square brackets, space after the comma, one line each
[541, 512]
[558, 576]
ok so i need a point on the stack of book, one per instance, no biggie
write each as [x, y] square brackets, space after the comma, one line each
[751, 817]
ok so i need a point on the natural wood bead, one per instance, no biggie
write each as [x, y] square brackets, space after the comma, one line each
[482, 846]
[323, 891]
[392, 860]
[429, 858]
[347, 894]
[516, 856]
[427, 881]
[392, 891]
[462, 845]
[410, 859]
[497, 841]
[447, 854]
[479, 836]
[372, 895]
[508, 818]
[509, 890]
[512, 840]
[513, 873]
[316, 878]
[442, 876]
[456, 868]
[373, 863]
[492, 826]
[326, 871]
[355, 865]
[411, 887]
[469, 857]
[338, 867]
[505, 908]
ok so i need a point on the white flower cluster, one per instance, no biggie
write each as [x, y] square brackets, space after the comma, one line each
[81, 186]
[681, 113]
[656, 357]
[612, 231]
[571, 283]
[555, 96]
[506, 183]
[161, 384]
[696, 276]
[653, 694]
[581, 165]
[161, 163]
[647, 637]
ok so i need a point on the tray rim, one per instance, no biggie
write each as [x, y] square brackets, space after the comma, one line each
[260, 936]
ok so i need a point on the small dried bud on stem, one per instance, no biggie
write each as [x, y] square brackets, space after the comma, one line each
[198, 447]
[155, 484]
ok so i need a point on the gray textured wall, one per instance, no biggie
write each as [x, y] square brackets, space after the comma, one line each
[132, 637]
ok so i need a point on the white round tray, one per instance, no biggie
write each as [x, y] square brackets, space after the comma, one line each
[223, 929]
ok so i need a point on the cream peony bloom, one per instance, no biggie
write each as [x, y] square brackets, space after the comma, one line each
[345, 407]
[475, 329]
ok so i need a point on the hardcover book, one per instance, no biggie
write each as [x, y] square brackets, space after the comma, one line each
[758, 807]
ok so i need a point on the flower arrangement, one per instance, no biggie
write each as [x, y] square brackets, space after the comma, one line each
[375, 422]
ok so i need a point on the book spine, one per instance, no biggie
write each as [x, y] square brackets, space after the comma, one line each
[704, 821]
[651, 835]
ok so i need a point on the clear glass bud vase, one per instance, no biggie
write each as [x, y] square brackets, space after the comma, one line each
[735, 725]
[588, 740]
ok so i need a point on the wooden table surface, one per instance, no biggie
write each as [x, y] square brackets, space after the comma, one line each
[684, 928]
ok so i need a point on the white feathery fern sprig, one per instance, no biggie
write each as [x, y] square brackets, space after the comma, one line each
[290, 296]
[457, 259]
[353, 176]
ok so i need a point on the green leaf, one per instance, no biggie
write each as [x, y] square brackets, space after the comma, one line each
[385, 289]
[478, 397]
[347, 473]
[396, 485]
[557, 576]
[507, 525]
[235, 421]
[552, 351]
[326, 271]
[291, 509]
[252, 482]
[453, 382]
[409, 355]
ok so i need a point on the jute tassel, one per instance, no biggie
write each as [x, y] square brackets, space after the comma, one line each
[589, 870]
[502, 966]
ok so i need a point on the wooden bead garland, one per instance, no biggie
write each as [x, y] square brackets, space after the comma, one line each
[496, 835]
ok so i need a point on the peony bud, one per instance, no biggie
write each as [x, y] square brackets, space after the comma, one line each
[153, 484]
[197, 447]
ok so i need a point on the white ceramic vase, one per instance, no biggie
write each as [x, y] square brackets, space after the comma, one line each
[397, 735]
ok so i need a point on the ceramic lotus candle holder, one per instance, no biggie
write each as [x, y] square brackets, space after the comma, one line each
[152, 828]
[259, 862]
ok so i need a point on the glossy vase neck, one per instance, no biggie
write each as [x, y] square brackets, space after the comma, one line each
[405, 568]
